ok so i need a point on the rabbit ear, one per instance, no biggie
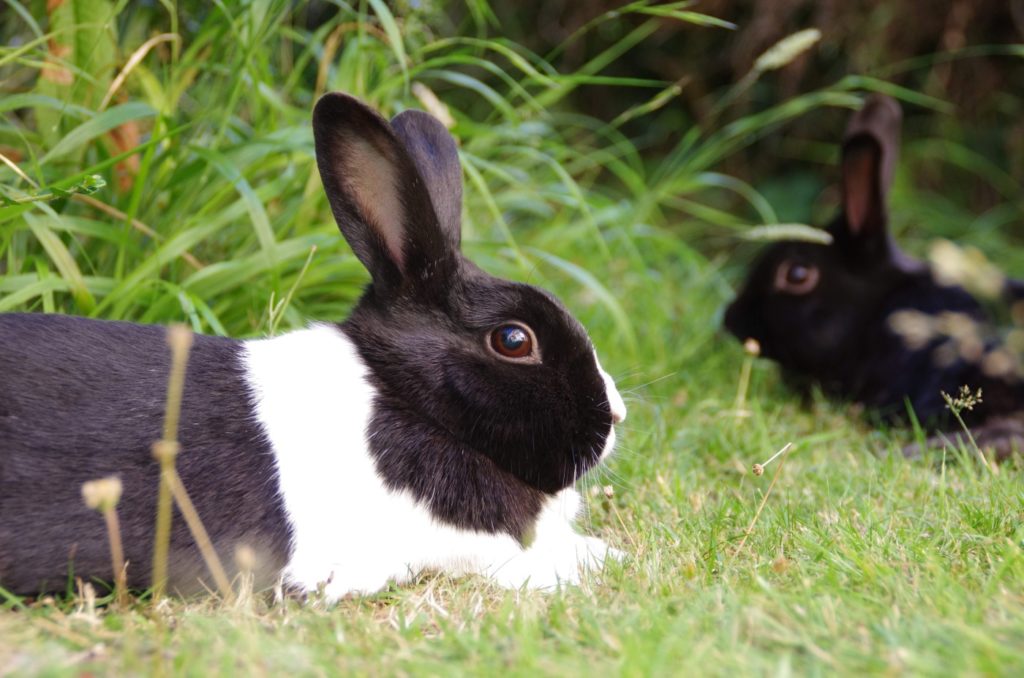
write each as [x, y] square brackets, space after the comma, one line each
[378, 197]
[436, 156]
[870, 147]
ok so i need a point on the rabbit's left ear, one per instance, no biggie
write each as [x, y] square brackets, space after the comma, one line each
[870, 150]
[382, 196]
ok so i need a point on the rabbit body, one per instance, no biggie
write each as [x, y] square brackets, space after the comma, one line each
[826, 313]
[82, 399]
[441, 427]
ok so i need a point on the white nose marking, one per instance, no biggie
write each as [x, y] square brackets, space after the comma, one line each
[615, 403]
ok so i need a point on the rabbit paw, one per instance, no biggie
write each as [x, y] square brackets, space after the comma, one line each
[549, 566]
[593, 553]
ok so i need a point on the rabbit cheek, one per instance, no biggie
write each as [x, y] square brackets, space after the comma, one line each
[594, 407]
[532, 421]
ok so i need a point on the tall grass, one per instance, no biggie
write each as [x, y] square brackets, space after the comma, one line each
[196, 116]
[212, 205]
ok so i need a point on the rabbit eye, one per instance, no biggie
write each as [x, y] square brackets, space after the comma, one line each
[512, 341]
[796, 278]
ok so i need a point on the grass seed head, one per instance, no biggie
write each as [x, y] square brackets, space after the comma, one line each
[758, 469]
[102, 494]
[179, 338]
[965, 400]
[245, 558]
[165, 450]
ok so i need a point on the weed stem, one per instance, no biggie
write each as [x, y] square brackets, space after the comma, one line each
[103, 496]
[179, 338]
[764, 500]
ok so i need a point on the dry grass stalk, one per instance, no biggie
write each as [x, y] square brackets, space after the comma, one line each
[103, 495]
[179, 338]
[135, 223]
[764, 499]
[753, 349]
[199, 533]
[758, 469]
[245, 561]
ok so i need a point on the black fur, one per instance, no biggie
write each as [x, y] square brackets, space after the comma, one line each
[436, 156]
[839, 334]
[501, 435]
[83, 399]
[480, 439]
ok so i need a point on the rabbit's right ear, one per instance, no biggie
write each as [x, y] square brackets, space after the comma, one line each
[436, 155]
[870, 149]
[379, 198]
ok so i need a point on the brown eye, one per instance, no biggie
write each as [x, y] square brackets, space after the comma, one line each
[512, 341]
[792, 277]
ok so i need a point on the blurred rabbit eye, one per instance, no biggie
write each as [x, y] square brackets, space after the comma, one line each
[512, 341]
[796, 278]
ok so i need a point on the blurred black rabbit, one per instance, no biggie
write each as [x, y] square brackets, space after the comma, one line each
[838, 315]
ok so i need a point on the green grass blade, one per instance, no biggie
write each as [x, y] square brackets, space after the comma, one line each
[42, 229]
[97, 126]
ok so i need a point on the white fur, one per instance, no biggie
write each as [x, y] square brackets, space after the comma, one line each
[314, 403]
[615, 404]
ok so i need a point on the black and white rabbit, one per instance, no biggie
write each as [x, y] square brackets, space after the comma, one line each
[825, 313]
[440, 427]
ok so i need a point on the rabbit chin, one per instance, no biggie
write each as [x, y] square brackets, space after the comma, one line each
[349, 530]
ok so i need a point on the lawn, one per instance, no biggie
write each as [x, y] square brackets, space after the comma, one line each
[842, 557]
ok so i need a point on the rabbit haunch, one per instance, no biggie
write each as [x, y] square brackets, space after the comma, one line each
[350, 525]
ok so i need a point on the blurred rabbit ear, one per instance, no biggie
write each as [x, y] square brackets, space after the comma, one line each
[378, 197]
[436, 156]
[870, 149]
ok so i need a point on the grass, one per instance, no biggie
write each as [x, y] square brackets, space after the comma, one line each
[853, 560]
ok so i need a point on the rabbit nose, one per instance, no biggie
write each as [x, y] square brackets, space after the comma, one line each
[615, 402]
[733, 321]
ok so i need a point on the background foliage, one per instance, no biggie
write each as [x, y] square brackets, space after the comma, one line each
[617, 154]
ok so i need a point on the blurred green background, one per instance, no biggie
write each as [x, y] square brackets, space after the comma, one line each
[638, 115]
